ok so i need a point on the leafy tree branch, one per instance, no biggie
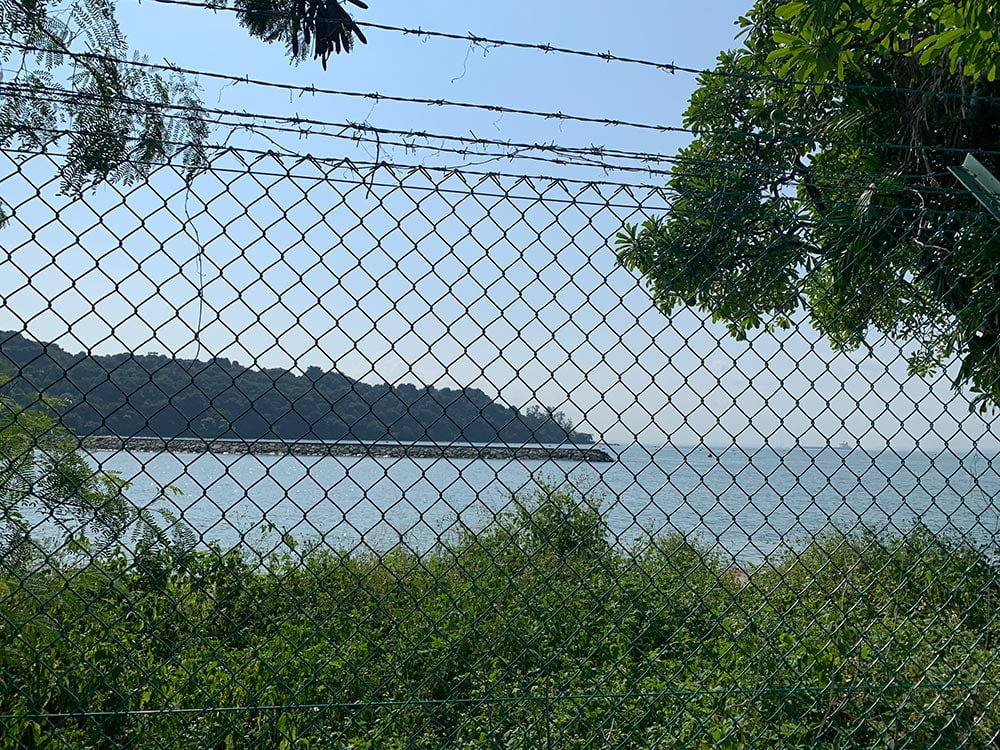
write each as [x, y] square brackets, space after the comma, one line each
[819, 180]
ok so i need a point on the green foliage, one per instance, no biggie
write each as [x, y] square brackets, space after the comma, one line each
[830, 192]
[829, 36]
[43, 476]
[70, 86]
[73, 84]
[152, 394]
[55, 508]
[534, 632]
[558, 520]
[317, 27]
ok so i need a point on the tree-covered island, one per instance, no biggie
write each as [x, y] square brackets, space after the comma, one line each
[162, 396]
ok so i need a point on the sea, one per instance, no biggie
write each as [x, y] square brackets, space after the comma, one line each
[744, 502]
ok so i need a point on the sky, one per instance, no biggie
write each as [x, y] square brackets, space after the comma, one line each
[404, 276]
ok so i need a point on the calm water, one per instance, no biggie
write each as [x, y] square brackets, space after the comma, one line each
[748, 501]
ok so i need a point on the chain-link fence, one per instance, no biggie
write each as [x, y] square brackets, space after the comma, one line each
[401, 457]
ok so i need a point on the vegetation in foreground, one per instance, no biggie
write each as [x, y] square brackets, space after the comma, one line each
[532, 633]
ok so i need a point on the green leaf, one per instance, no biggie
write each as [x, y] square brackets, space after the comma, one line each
[789, 11]
[782, 37]
[939, 41]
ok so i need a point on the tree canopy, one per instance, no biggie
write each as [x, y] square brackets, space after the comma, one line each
[156, 395]
[74, 83]
[818, 179]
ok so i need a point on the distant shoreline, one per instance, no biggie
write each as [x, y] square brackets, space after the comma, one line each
[487, 452]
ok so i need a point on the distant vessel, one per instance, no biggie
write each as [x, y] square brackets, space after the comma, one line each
[843, 447]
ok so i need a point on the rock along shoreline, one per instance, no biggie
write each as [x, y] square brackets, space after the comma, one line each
[496, 452]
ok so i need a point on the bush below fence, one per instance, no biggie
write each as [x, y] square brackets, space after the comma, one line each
[532, 633]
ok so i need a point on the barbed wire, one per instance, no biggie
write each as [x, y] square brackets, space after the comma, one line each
[577, 156]
[827, 183]
[372, 95]
[366, 171]
[495, 108]
[469, 37]
[608, 56]
[357, 165]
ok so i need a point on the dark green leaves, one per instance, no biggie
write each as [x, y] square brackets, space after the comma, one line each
[818, 181]
[307, 27]
[118, 122]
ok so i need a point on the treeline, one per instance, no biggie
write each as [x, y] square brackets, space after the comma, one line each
[157, 395]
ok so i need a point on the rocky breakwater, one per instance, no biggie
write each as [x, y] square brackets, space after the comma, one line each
[496, 452]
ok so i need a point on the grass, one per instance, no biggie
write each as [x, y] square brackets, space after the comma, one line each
[533, 633]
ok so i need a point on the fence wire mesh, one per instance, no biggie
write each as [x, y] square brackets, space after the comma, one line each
[325, 454]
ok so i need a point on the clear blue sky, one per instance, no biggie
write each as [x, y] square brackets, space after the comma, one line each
[685, 33]
[548, 313]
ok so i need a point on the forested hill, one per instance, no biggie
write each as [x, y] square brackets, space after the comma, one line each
[157, 395]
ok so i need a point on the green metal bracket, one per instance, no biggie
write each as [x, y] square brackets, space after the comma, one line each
[980, 182]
